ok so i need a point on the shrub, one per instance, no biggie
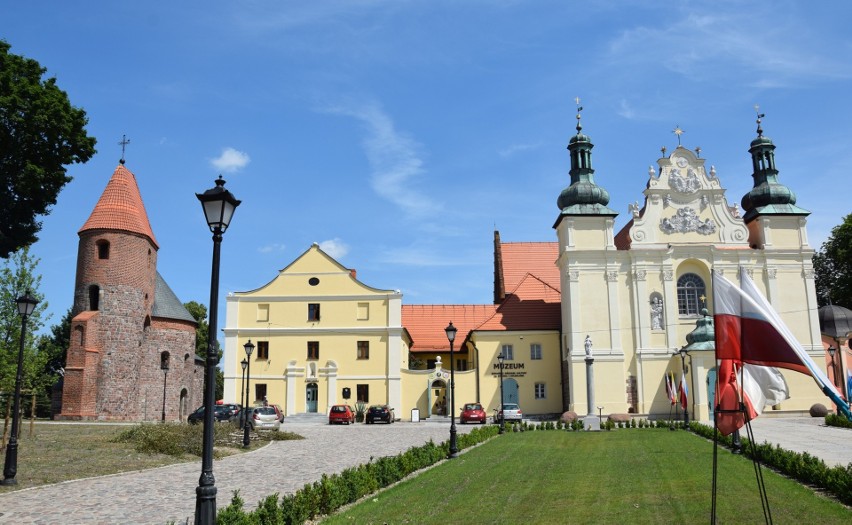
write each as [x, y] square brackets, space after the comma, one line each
[833, 420]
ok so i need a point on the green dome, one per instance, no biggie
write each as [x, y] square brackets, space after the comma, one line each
[704, 335]
[767, 196]
[582, 192]
[768, 193]
[580, 137]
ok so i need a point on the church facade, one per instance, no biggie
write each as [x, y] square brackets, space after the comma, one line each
[627, 301]
[132, 350]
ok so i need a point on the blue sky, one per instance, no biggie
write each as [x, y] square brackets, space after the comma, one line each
[399, 134]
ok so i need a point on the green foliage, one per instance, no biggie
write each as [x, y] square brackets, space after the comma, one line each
[41, 133]
[360, 410]
[833, 420]
[17, 276]
[802, 467]
[332, 492]
[833, 266]
[178, 439]
[202, 331]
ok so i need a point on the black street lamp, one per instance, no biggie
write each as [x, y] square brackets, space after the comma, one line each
[26, 306]
[500, 362]
[244, 364]
[683, 353]
[249, 348]
[219, 205]
[451, 336]
[164, 365]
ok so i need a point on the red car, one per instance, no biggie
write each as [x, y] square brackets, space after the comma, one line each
[341, 414]
[473, 412]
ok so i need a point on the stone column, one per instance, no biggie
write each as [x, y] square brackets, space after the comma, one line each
[591, 421]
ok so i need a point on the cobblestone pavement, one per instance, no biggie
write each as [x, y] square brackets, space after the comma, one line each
[165, 494]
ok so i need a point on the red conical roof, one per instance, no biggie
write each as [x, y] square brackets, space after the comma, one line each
[120, 207]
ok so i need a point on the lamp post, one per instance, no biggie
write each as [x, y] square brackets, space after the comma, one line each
[164, 365]
[451, 336]
[219, 205]
[683, 353]
[249, 347]
[244, 364]
[500, 361]
[26, 306]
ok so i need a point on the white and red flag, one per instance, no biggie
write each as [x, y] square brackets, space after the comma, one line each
[684, 390]
[751, 340]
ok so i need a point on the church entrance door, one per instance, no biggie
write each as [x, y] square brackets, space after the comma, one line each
[510, 391]
[311, 394]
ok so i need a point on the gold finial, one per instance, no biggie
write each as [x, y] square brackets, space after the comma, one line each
[677, 131]
[124, 142]
[579, 109]
[703, 299]
[759, 116]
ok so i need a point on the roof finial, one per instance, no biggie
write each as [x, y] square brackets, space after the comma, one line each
[124, 142]
[677, 131]
[759, 116]
[663, 150]
[579, 109]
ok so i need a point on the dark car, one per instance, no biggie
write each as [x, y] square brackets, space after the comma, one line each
[379, 413]
[220, 413]
[473, 412]
[233, 410]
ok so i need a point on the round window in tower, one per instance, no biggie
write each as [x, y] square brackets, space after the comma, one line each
[313, 281]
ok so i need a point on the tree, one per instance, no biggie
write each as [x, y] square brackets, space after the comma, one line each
[40, 133]
[833, 266]
[17, 276]
[202, 331]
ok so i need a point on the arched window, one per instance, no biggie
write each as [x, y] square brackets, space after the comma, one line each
[103, 249]
[164, 360]
[690, 294]
[94, 296]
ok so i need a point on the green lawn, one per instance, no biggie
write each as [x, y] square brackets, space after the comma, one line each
[625, 476]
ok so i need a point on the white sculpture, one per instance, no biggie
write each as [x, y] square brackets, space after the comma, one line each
[588, 345]
[656, 313]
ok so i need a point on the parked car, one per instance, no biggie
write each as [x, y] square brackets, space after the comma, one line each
[473, 412]
[279, 411]
[341, 414]
[220, 413]
[233, 410]
[379, 413]
[263, 418]
[510, 412]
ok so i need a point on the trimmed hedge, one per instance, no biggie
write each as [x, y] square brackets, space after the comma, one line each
[833, 420]
[330, 493]
[802, 467]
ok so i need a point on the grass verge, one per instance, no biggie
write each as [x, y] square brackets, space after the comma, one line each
[627, 476]
[62, 452]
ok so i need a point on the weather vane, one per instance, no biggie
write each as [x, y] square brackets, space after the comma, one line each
[677, 131]
[759, 116]
[579, 109]
[124, 142]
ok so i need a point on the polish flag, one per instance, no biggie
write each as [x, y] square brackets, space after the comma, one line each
[684, 390]
[751, 340]
[670, 388]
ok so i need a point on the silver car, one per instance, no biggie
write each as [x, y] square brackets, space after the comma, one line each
[510, 412]
[264, 418]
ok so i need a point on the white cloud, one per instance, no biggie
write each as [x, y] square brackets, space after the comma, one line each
[273, 247]
[625, 110]
[230, 160]
[394, 159]
[334, 248]
[518, 148]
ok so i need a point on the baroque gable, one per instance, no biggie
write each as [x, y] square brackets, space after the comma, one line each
[684, 203]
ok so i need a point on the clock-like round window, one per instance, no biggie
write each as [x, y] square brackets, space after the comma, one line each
[313, 281]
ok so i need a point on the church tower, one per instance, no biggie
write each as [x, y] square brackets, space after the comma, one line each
[118, 353]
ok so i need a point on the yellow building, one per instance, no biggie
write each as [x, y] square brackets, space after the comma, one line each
[321, 337]
[627, 300]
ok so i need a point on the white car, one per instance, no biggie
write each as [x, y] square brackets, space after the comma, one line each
[264, 418]
[510, 412]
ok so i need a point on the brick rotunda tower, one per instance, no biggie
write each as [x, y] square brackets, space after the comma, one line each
[132, 351]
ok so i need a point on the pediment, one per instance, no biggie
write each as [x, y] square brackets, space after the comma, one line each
[684, 203]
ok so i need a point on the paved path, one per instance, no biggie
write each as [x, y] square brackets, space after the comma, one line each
[165, 494]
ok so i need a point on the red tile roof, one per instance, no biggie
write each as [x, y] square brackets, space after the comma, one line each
[120, 207]
[426, 323]
[533, 305]
[522, 258]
